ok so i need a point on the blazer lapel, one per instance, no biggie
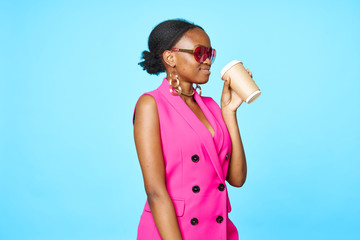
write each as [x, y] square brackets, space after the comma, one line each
[219, 133]
[194, 122]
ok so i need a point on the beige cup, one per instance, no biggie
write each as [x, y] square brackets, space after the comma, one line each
[241, 82]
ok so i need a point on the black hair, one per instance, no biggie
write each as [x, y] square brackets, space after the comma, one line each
[163, 37]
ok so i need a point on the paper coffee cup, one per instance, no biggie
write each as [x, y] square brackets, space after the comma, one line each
[241, 82]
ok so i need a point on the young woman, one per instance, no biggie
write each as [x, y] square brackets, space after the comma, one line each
[186, 144]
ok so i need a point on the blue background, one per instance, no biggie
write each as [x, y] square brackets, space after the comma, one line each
[69, 81]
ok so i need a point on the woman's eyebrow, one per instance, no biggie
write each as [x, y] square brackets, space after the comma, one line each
[200, 45]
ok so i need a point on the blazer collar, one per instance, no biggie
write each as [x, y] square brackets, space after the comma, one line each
[194, 122]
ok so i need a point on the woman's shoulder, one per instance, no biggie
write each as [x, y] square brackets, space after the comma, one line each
[146, 100]
[145, 107]
[146, 104]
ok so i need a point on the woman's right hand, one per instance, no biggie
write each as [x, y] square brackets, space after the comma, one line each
[230, 101]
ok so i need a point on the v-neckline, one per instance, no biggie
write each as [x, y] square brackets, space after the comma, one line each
[204, 110]
[207, 119]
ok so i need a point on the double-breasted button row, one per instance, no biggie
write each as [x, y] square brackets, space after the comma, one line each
[195, 221]
[196, 188]
[195, 158]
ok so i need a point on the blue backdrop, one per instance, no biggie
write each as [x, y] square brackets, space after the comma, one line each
[69, 81]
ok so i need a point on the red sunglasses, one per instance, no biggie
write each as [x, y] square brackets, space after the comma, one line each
[201, 53]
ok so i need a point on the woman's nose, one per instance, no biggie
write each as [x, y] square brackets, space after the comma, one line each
[207, 61]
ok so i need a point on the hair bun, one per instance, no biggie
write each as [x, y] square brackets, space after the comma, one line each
[152, 63]
[163, 37]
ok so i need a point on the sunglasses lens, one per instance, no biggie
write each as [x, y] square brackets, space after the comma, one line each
[198, 54]
[203, 53]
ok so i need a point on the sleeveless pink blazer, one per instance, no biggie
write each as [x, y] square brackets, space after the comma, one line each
[196, 166]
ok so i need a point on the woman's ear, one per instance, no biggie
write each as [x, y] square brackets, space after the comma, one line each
[169, 58]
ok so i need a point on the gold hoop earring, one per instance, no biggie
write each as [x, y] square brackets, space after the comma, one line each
[198, 87]
[174, 89]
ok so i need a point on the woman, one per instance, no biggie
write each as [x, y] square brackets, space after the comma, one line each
[187, 146]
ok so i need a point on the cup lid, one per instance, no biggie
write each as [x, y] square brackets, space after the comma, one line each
[253, 96]
[228, 66]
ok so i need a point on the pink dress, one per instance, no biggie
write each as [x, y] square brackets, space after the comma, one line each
[196, 166]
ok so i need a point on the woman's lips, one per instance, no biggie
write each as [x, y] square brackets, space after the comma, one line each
[205, 70]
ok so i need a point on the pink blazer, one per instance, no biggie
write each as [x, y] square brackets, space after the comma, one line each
[196, 166]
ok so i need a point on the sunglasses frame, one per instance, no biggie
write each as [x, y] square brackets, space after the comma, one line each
[210, 56]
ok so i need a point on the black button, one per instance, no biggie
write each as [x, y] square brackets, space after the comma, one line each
[194, 221]
[221, 187]
[227, 156]
[196, 189]
[219, 219]
[195, 158]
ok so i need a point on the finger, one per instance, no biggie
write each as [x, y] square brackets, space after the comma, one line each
[226, 88]
[227, 81]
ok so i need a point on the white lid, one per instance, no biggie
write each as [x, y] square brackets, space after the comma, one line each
[253, 96]
[228, 66]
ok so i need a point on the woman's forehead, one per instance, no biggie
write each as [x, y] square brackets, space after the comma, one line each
[194, 37]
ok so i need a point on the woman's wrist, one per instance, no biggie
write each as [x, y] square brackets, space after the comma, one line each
[227, 113]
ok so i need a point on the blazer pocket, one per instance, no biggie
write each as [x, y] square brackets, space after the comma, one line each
[179, 205]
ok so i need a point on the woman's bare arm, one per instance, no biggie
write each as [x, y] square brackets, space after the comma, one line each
[237, 167]
[148, 146]
[230, 102]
